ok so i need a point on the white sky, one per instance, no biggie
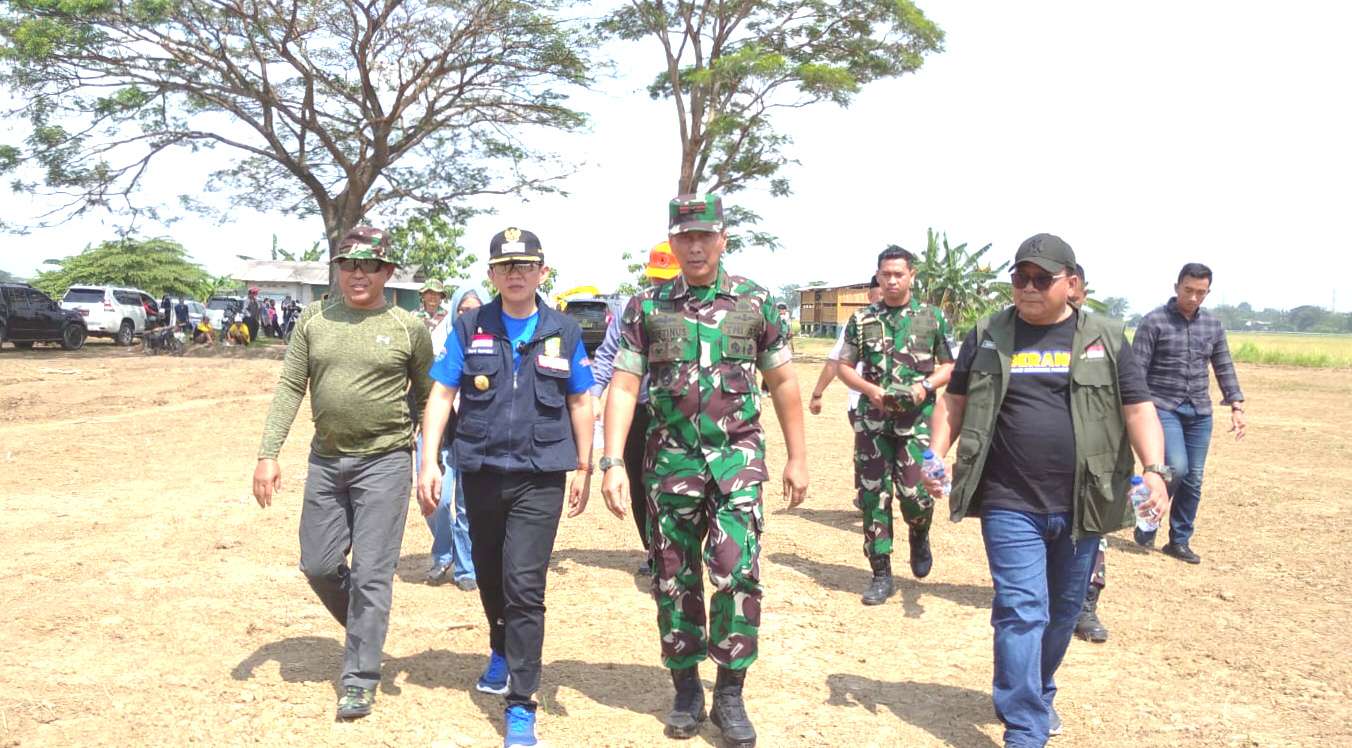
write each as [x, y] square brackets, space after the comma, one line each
[1146, 135]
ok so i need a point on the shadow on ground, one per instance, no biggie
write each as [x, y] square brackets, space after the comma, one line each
[855, 580]
[642, 689]
[949, 713]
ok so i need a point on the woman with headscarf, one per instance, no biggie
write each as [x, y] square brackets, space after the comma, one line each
[450, 534]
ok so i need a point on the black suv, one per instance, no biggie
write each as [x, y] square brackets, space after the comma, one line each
[593, 315]
[29, 316]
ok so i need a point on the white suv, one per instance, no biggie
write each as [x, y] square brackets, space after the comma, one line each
[112, 311]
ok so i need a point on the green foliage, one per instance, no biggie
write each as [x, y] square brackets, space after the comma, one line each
[331, 108]
[157, 266]
[218, 285]
[1116, 307]
[788, 293]
[431, 243]
[313, 254]
[960, 282]
[638, 278]
[730, 67]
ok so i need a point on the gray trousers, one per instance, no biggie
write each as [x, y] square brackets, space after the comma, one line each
[356, 504]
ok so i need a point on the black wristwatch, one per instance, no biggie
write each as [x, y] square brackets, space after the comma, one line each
[1163, 471]
[606, 463]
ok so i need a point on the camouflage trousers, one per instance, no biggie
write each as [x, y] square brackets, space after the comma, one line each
[1099, 577]
[732, 525]
[887, 466]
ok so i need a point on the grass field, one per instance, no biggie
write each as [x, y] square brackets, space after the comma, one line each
[1277, 348]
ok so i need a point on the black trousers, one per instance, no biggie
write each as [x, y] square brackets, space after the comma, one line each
[634, 447]
[513, 518]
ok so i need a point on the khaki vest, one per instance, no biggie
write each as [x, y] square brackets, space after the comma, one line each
[1103, 457]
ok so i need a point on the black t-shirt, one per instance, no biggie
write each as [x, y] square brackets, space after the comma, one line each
[1031, 464]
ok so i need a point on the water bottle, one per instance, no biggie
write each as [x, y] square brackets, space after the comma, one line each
[933, 468]
[1140, 494]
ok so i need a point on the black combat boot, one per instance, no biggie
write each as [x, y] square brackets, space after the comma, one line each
[921, 558]
[881, 587]
[729, 712]
[1088, 626]
[687, 712]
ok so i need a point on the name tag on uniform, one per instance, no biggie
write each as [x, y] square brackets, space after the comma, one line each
[554, 363]
[481, 344]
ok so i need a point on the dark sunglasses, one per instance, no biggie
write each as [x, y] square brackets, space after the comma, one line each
[523, 268]
[350, 265]
[1041, 282]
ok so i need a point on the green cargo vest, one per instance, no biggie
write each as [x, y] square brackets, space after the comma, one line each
[1103, 457]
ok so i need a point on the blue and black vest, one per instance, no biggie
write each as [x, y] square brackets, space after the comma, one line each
[515, 421]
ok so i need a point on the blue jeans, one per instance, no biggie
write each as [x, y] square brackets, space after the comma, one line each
[1187, 436]
[1040, 577]
[450, 535]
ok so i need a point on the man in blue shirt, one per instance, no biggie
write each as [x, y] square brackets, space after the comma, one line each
[524, 423]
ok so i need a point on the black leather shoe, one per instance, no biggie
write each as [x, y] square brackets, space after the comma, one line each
[881, 587]
[1181, 552]
[921, 558]
[1143, 539]
[687, 711]
[729, 713]
[1088, 626]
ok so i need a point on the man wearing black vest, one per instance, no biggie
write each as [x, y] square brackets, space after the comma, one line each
[1050, 406]
[524, 423]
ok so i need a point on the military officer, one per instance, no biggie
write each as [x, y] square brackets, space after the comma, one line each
[903, 346]
[700, 338]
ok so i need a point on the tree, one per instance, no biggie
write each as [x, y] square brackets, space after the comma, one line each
[430, 243]
[729, 67]
[157, 266]
[332, 107]
[7, 277]
[788, 293]
[1116, 307]
[638, 278]
[216, 285]
[958, 282]
[313, 254]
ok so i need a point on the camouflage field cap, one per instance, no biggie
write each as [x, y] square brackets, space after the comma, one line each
[662, 265]
[515, 245]
[432, 284]
[363, 243]
[695, 213]
[1047, 251]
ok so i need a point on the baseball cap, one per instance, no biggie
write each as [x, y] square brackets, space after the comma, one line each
[662, 263]
[515, 245]
[1047, 251]
[695, 213]
[363, 243]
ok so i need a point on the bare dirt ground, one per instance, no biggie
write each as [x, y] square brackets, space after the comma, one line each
[149, 601]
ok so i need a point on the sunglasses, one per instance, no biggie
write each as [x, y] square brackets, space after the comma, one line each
[349, 265]
[1041, 282]
[520, 268]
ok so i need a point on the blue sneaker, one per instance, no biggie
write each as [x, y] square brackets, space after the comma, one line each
[520, 727]
[495, 678]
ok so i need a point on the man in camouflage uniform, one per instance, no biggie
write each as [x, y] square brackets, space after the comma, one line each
[433, 295]
[701, 337]
[903, 346]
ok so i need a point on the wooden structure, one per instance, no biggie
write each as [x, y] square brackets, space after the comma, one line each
[823, 310]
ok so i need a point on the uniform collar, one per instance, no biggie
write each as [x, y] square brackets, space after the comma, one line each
[881, 306]
[722, 284]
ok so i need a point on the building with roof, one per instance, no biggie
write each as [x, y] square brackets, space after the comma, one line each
[307, 281]
[823, 310]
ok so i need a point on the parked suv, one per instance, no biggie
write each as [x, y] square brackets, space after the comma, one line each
[593, 315]
[113, 311]
[29, 316]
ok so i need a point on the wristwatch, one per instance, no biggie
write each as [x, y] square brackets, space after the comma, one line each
[1163, 471]
[927, 384]
[606, 463]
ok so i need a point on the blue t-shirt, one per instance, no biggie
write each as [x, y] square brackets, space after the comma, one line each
[451, 363]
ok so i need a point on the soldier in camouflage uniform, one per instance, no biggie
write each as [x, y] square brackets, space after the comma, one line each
[701, 337]
[433, 295]
[903, 346]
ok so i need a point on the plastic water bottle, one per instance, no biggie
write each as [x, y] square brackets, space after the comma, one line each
[1140, 494]
[933, 468]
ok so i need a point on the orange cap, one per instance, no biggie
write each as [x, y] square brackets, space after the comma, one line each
[662, 265]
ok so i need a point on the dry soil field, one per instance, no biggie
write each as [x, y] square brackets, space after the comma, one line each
[149, 601]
